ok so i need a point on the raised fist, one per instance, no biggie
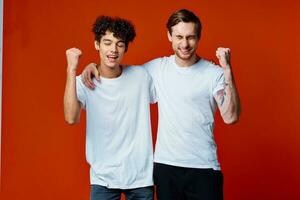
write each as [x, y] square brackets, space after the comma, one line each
[223, 54]
[73, 56]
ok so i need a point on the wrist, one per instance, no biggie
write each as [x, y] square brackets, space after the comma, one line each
[228, 76]
[227, 67]
[227, 72]
[71, 70]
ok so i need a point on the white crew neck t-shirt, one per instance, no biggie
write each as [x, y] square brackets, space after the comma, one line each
[186, 112]
[118, 130]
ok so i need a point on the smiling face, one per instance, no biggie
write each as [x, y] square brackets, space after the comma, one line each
[184, 40]
[111, 50]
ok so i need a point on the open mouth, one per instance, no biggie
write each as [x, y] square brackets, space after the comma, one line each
[185, 51]
[112, 58]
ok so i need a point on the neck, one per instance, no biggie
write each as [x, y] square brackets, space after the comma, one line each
[108, 72]
[188, 62]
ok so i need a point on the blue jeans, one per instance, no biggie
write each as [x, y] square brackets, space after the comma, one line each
[99, 192]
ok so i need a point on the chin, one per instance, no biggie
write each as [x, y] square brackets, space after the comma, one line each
[112, 65]
[184, 56]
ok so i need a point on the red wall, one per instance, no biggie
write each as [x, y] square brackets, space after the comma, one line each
[43, 157]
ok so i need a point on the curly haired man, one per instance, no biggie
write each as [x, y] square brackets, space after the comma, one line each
[118, 132]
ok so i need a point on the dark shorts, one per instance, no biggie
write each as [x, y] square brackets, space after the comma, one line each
[180, 183]
[99, 192]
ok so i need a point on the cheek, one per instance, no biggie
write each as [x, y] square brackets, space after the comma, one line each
[121, 52]
[175, 44]
[102, 54]
[121, 56]
[102, 49]
[193, 44]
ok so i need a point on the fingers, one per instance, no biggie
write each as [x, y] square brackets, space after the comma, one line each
[73, 52]
[222, 52]
[85, 81]
[73, 55]
[87, 75]
[212, 62]
[96, 73]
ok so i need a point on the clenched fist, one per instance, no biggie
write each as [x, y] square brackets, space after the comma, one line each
[73, 56]
[223, 54]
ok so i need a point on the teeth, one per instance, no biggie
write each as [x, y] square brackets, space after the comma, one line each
[185, 51]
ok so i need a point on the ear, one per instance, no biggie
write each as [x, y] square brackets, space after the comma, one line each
[97, 45]
[169, 36]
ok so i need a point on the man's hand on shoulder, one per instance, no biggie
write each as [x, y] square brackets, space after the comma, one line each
[87, 75]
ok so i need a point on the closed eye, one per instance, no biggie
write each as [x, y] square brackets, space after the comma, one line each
[121, 44]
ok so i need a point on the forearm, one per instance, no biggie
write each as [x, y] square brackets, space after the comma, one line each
[230, 103]
[71, 103]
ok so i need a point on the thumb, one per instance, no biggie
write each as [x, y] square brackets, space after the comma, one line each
[97, 74]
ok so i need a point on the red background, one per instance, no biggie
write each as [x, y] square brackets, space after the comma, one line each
[44, 158]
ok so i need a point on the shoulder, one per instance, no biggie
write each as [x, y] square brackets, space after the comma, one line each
[135, 70]
[154, 61]
[80, 87]
[211, 68]
[157, 64]
[78, 81]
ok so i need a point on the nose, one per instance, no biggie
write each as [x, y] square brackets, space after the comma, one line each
[114, 48]
[184, 43]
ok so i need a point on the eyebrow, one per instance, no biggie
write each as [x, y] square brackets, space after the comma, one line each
[188, 36]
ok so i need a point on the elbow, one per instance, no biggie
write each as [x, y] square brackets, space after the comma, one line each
[71, 116]
[231, 117]
[231, 120]
[71, 121]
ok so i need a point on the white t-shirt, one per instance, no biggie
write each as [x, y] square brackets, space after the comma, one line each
[186, 112]
[118, 130]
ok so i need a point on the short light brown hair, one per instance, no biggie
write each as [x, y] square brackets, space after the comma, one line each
[184, 15]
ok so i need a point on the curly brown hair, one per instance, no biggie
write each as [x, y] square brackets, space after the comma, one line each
[121, 28]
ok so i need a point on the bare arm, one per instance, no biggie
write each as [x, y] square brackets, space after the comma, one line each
[71, 104]
[227, 99]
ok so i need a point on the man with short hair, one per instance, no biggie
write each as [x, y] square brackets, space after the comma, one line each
[189, 89]
[118, 136]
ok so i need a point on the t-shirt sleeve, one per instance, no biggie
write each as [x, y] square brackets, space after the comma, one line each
[80, 91]
[152, 91]
[153, 66]
[218, 82]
